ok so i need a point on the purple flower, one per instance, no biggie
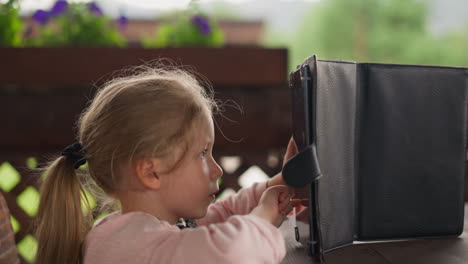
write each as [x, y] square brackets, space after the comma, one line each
[202, 24]
[41, 16]
[58, 8]
[122, 22]
[95, 9]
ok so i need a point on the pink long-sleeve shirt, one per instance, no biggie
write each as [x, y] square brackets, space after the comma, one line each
[227, 234]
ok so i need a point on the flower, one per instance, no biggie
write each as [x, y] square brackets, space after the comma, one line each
[202, 24]
[58, 8]
[95, 9]
[122, 22]
[41, 16]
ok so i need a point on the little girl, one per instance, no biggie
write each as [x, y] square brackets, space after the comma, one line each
[148, 140]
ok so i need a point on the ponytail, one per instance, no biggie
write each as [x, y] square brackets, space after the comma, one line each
[62, 225]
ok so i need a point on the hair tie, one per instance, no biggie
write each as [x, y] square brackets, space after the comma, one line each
[76, 154]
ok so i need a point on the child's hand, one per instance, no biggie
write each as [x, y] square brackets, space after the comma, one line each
[274, 205]
[302, 209]
[278, 178]
[290, 152]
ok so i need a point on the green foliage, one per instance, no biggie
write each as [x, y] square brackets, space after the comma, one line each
[10, 25]
[386, 31]
[78, 26]
[189, 27]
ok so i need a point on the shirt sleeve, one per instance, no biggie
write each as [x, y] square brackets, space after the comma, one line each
[240, 239]
[141, 239]
[240, 203]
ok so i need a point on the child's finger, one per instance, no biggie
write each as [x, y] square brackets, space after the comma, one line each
[287, 200]
[283, 197]
[288, 209]
[292, 147]
[283, 203]
[291, 150]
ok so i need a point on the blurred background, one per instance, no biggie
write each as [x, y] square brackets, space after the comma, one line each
[391, 31]
[54, 55]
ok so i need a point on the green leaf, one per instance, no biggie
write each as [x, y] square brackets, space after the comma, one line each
[11, 25]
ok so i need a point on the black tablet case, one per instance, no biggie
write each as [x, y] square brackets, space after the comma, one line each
[390, 150]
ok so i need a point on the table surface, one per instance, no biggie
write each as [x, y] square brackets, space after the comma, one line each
[423, 251]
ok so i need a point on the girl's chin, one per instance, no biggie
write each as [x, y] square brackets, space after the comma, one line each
[200, 214]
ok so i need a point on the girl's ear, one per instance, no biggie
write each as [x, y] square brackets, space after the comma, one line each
[146, 172]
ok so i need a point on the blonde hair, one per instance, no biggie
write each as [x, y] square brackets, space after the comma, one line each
[140, 115]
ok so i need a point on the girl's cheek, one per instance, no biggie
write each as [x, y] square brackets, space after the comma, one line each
[205, 167]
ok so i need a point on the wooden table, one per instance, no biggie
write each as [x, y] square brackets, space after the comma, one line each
[423, 251]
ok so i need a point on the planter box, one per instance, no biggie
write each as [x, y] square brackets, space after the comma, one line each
[231, 66]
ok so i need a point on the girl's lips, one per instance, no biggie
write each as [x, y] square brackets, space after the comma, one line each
[214, 193]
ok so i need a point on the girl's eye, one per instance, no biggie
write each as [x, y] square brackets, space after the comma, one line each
[203, 153]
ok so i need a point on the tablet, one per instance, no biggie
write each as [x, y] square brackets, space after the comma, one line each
[301, 90]
[300, 83]
[302, 93]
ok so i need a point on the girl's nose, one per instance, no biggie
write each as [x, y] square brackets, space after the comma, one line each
[217, 171]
